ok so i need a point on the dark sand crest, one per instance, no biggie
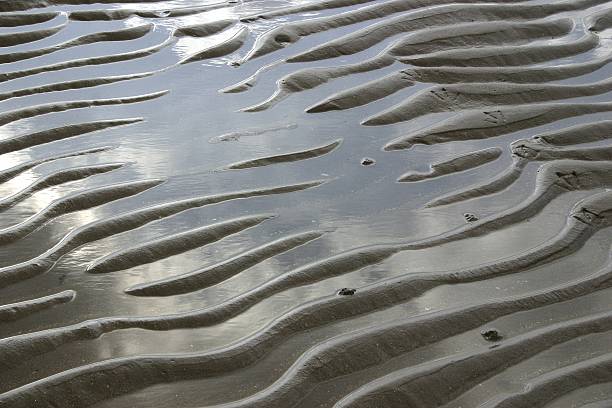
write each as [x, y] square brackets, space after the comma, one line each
[495, 121]
[306, 79]
[17, 20]
[126, 34]
[287, 157]
[70, 85]
[12, 172]
[303, 8]
[577, 134]
[497, 56]
[55, 179]
[388, 85]
[24, 37]
[60, 133]
[19, 310]
[217, 273]
[455, 165]
[174, 244]
[204, 29]
[106, 59]
[232, 44]
[33, 111]
[74, 202]
[525, 152]
[456, 97]
[122, 14]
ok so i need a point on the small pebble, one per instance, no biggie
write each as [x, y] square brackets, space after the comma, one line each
[491, 335]
[366, 161]
[347, 292]
[470, 217]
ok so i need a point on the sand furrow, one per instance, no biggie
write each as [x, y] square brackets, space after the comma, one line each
[479, 34]
[204, 29]
[83, 62]
[214, 274]
[38, 110]
[21, 5]
[385, 86]
[309, 78]
[80, 386]
[12, 172]
[496, 185]
[418, 16]
[363, 94]
[126, 34]
[455, 165]
[250, 82]
[60, 133]
[122, 14]
[71, 85]
[174, 244]
[577, 134]
[108, 227]
[306, 79]
[74, 202]
[411, 386]
[598, 404]
[495, 121]
[524, 151]
[55, 179]
[12, 39]
[445, 75]
[16, 20]
[457, 97]
[221, 49]
[303, 8]
[505, 55]
[287, 157]
[19, 310]
[553, 179]
[562, 381]
[365, 38]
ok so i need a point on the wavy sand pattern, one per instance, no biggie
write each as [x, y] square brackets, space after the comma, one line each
[413, 207]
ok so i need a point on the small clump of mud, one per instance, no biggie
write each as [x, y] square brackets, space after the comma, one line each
[492, 335]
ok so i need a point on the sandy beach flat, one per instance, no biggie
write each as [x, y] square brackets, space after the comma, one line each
[305, 204]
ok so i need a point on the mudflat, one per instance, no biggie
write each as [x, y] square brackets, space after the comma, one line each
[322, 203]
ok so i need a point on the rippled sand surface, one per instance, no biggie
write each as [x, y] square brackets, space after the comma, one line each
[322, 203]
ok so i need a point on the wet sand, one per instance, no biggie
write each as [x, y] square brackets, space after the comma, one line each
[332, 203]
